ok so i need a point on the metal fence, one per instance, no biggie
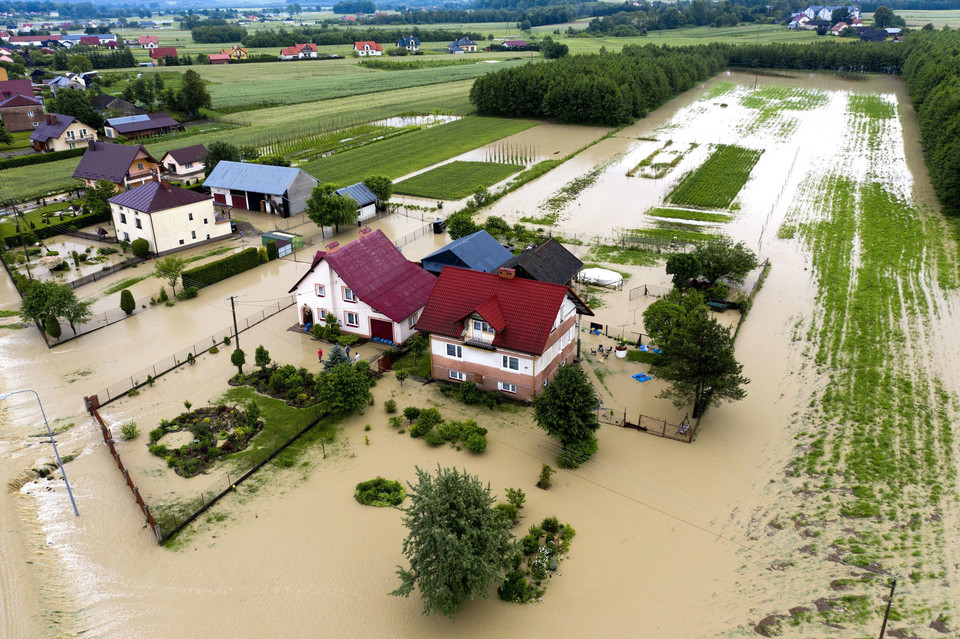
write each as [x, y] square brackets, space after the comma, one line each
[98, 321]
[107, 270]
[682, 432]
[149, 373]
[410, 237]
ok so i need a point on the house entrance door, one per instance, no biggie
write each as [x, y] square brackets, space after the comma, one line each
[381, 329]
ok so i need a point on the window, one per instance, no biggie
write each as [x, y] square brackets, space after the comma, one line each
[29, 114]
[71, 135]
[188, 165]
[140, 165]
[412, 321]
[83, 133]
[507, 388]
[348, 295]
[136, 222]
[181, 242]
[126, 236]
[36, 124]
[482, 326]
[511, 363]
[204, 220]
[322, 313]
[457, 375]
[208, 236]
[351, 319]
[123, 218]
[454, 350]
[189, 216]
[320, 290]
[193, 235]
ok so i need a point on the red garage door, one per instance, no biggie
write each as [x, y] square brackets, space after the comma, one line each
[239, 201]
[220, 198]
[381, 329]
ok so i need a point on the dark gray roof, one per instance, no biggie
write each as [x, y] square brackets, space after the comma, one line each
[157, 196]
[477, 252]
[146, 122]
[103, 102]
[254, 178]
[360, 192]
[47, 131]
[104, 161]
[548, 262]
[188, 154]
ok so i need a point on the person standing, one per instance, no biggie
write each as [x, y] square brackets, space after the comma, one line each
[348, 350]
[357, 358]
[320, 354]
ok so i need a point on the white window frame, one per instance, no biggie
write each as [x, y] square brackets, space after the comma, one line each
[346, 318]
[349, 295]
[457, 351]
[123, 218]
[319, 290]
[412, 321]
[507, 388]
[136, 223]
[458, 375]
[322, 313]
[507, 360]
[139, 166]
[483, 327]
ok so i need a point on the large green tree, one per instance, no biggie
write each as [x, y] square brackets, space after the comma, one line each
[216, 153]
[457, 542]
[683, 267]
[76, 104]
[50, 299]
[722, 259]
[884, 17]
[96, 197]
[344, 388]
[382, 187]
[697, 352]
[326, 208]
[193, 94]
[566, 410]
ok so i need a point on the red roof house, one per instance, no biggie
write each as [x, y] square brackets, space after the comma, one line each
[366, 48]
[161, 52]
[148, 42]
[10, 88]
[218, 58]
[502, 332]
[367, 285]
[299, 52]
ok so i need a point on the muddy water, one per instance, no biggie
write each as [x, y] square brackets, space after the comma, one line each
[661, 526]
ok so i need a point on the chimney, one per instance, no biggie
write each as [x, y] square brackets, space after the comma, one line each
[332, 246]
[92, 145]
[506, 273]
[365, 231]
[165, 183]
[50, 119]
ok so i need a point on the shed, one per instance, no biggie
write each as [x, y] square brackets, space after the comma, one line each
[365, 198]
[479, 251]
[286, 242]
[260, 187]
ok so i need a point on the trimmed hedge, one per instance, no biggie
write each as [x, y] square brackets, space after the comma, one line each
[43, 231]
[40, 158]
[222, 269]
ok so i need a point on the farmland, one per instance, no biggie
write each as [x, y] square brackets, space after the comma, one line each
[697, 216]
[456, 180]
[408, 153]
[716, 182]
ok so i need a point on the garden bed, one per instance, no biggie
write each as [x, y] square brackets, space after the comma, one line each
[543, 548]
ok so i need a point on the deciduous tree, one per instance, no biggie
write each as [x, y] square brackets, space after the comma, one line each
[97, 196]
[217, 152]
[261, 357]
[345, 387]
[326, 208]
[566, 410]
[722, 259]
[169, 269]
[457, 542]
[382, 187]
[238, 358]
[683, 267]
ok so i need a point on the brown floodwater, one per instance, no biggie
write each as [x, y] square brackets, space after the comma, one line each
[663, 527]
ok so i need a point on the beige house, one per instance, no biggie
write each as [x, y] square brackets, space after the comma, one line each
[167, 217]
[126, 165]
[60, 133]
[185, 165]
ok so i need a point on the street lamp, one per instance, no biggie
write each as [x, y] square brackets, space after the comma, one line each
[49, 432]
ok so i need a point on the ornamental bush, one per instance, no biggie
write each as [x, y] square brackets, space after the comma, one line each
[380, 492]
[140, 247]
[127, 303]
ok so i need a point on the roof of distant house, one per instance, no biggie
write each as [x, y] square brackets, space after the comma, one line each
[32, 38]
[162, 52]
[21, 101]
[188, 154]
[145, 122]
[148, 40]
[372, 45]
[297, 48]
[548, 262]
[526, 309]
[46, 130]
[13, 87]
[218, 56]
[465, 42]
[359, 192]
[105, 161]
[479, 251]
[380, 276]
[104, 101]
[406, 41]
[515, 43]
[157, 196]
[254, 178]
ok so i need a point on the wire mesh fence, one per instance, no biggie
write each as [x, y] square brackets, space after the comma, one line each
[149, 373]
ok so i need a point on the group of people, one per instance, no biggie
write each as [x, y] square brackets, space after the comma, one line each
[347, 349]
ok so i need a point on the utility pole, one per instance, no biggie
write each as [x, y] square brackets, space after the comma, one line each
[236, 333]
[893, 586]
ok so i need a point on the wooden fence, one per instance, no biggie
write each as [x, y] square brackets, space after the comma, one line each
[682, 432]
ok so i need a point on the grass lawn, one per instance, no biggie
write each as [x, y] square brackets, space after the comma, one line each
[744, 34]
[419, 366]
[21, 140]
[456, 180]
[716, 182]
[8, 226]
[407, 153]
[698, 216]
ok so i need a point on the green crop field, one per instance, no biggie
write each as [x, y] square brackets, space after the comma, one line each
[697, 216]
[745, 34]
[716, 182]
[456, 180]
[414, 151]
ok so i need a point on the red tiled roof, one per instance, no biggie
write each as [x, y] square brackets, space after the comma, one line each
[21, 101]
[91, 40]
[297, 48]
[10, 88]
[213, 57]
[528, 308]
[379, 275]
[373, 45]
[162, 52]
[148, 40]
[156, 196]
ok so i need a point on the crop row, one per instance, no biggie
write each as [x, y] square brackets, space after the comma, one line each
[456, 180]
[716, 182]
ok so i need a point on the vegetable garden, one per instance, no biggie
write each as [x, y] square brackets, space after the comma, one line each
[716, 182]
[456, 180]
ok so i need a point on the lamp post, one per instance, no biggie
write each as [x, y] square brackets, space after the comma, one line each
[49, 432]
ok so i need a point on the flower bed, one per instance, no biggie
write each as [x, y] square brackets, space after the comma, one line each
[296, 386]
[217, 431]
[543, 548]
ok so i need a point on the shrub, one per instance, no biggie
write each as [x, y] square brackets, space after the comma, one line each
[575, 454]
[475, 443]
[222, 269]
[272, 252]
[213, 350]
[429, 417]
[550, 525]
[380, 492]
[451, 431]
[159, 450]
[140, 247]
[469, 393]
[396, 421]
[127, 303]
[163, 297]
[348, 339]
[535, 531]
[545, 472]
[155, 435]
[510, 512]
[421, 428]
[529, 544]
[226, 340]
[262, 255]
[516, 497]
[390, 405]
[401, 375]
[515, 587]
[188, 293]
[191, 359]
[52, 327]
[130, 431]
[411, 413]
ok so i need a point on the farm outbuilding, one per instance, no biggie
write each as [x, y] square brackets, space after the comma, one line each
[260, 187]
[365, 198]
[286, 242]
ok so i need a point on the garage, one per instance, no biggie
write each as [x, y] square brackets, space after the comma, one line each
[381, 329]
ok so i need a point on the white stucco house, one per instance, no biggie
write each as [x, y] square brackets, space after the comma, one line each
[367, 48]
[167, 217]
[185, 165]
[367, 285]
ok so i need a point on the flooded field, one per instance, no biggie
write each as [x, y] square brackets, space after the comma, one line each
[777, 519]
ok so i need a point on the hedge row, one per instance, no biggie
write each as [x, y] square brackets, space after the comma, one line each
[43, 231]
[40, 158]
[222, 269]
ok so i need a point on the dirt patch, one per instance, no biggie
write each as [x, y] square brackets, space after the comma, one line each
[770, 626]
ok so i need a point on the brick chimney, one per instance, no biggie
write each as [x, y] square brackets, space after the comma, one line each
[92, 145]
[165, 183]
[365, 231]
[506, 273]
[51, 118]
[332, 246]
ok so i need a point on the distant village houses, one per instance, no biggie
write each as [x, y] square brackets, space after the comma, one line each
[410, 43]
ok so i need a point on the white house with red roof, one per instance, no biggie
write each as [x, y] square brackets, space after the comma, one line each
[367, 285]
[500, 331]
[299, 52]
[148, 42]
[367, 48]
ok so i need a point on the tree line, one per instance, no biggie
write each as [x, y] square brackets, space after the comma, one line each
[323, 36]
[932, 74]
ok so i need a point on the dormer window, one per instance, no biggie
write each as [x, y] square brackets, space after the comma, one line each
[479, 325]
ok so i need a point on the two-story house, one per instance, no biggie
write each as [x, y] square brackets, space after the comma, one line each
[463, 45]
[500, 331]
[367, 285]
[410, 43]
[21, 113]
[126, 165]
[367, 48]
[167, 217]
[185, 164]
[60, 133]
[306, 51]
